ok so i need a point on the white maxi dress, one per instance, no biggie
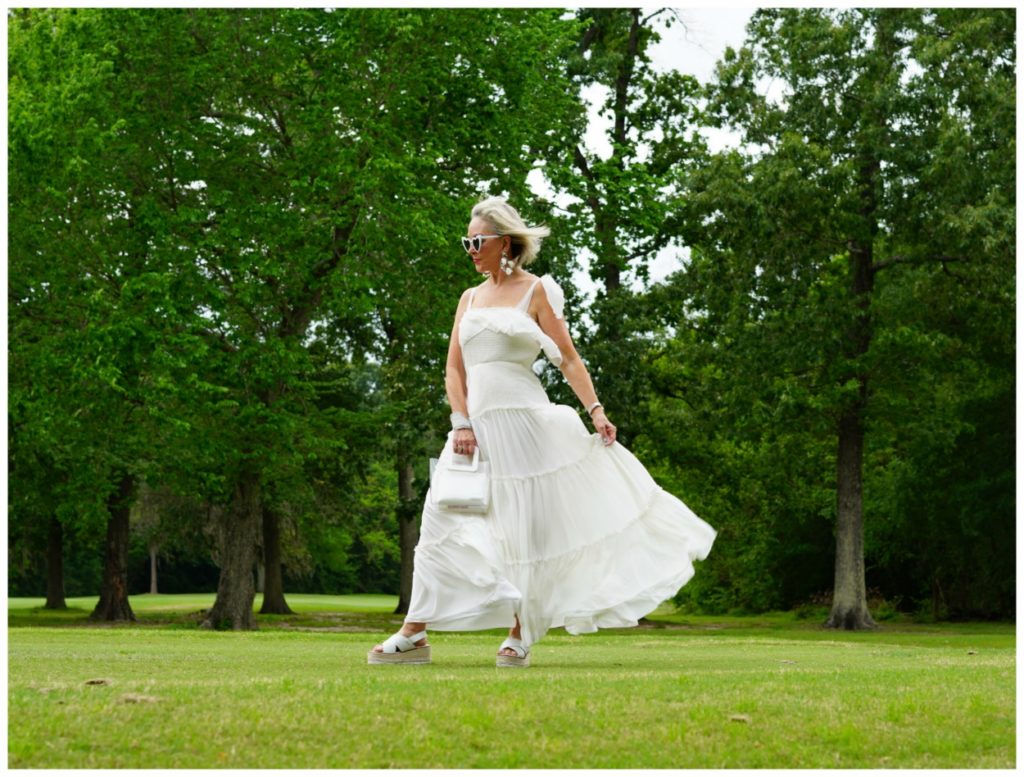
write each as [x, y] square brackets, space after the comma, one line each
[578, 534]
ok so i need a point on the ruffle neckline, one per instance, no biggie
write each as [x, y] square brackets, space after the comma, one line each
[512, 320]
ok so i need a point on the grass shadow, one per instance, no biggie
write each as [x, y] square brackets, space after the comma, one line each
[372, 614]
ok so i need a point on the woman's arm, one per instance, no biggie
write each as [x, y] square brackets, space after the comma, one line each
[455, 370]
[463, 441]
[572, 366]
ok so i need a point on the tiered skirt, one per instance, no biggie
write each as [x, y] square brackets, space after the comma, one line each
[578, 534]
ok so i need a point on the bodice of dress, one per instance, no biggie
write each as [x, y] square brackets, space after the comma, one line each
[499, 346]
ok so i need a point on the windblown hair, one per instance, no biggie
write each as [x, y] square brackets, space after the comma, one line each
[506, 221]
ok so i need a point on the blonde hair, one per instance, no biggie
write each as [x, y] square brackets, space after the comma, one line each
[506, 221]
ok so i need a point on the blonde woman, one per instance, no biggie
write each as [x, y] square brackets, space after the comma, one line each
[577, 534]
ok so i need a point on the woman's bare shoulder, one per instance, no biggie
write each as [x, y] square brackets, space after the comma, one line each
[467, 294]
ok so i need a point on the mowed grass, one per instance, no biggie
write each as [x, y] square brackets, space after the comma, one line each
[682, 692]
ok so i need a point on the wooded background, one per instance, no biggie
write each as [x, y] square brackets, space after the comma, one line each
[234, 261]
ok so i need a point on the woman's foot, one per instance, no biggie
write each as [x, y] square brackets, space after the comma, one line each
[513, 653]
[408, 630]
[516, 633]
[406, 646]
[509, 651]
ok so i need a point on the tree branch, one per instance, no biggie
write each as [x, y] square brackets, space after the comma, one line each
[658, 13]
[584, 167]
[622, 81]
[653, 245]
[902, 259]
[219, 339]
[949, 272]
[589, 37]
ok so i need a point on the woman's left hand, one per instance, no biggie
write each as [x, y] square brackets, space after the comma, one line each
[603, 426]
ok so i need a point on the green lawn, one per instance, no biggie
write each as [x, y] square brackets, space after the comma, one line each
[683, 692]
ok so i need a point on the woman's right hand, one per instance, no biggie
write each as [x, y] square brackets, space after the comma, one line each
[464, 442]
[603, 426]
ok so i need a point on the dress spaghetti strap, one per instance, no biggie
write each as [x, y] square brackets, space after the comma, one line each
[524, 303]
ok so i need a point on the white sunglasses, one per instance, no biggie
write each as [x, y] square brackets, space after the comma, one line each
[476, 242]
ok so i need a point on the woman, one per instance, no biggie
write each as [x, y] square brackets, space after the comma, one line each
[577, 534]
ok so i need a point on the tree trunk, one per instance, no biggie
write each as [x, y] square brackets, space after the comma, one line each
[273, 583]
[55, 567]
[152, 569]
[849, 600]
[612, 272]
[408, 531]
[606, 224]
[113, 604]
[261, 576]
[939, 606]
[238, 542]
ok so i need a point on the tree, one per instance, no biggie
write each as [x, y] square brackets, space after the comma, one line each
[840, 180]
[622, 203]
[75, 324]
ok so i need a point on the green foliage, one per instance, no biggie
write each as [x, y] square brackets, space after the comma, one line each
[233, 253]
[756, 366]
[248, 212]
[621, 204]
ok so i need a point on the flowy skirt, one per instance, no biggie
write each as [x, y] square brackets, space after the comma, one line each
[578, 534]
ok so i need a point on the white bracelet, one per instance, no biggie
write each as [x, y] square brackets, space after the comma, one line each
[459, 421]
[590, 410]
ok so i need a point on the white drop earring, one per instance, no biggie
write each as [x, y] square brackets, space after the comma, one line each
[506, 265]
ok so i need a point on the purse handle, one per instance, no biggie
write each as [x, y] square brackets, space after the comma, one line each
[473, 467]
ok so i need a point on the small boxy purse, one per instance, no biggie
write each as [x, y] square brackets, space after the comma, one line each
[462, 487]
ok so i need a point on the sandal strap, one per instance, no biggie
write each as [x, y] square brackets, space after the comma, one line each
[399, 643]
[516, 645]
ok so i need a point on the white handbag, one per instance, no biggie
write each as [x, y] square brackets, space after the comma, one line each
[462, 487]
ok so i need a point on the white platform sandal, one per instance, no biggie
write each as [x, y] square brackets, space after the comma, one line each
[399, 649]
[522, 657]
